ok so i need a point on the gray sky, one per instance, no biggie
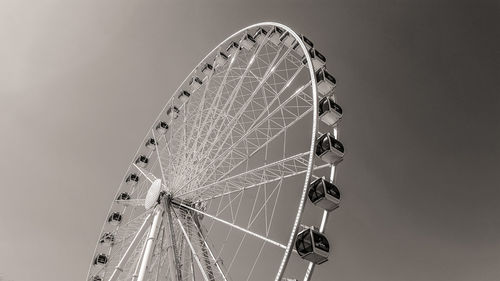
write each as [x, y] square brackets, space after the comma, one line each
[418, 81]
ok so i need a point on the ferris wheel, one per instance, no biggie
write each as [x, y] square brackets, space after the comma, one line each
[218, 188]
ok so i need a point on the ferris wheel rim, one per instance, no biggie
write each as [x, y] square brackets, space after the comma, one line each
[311, 159]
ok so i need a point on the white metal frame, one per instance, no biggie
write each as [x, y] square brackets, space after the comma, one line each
[307, 169]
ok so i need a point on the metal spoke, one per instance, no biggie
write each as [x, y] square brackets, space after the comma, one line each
[131, 202]
[281, 169]
[229, 103]
[260, 135]
[213, 107]
[204, 153]
[277, 123]
[270, 241]
[247, 102]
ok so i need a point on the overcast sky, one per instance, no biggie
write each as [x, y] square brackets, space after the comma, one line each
[80, 81]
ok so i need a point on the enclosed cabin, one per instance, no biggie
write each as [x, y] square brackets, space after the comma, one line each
[142, 161]
[329, 149]
[326, 83]
[183, 96]
[107, 237]
[312, 245]
[207, 69]
[151, 144]
[248, 42]
[132, 179]
[95, 278]
[162, 127]
[123, 196]
[318, 60]
[220, 59]
[101, 259]
[232, 48]
[287, 39]
[173, 111]
[324, 194]
[115, 218]
[329, 112]
[309, 45]
[195, 83]
[260, 35]
[275, 35]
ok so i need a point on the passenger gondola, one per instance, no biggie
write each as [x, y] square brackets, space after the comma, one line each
[287, 39]
[142, 161]
[132, 179]
[318, 60]
[260, 35]
[329, 149]
[248, 42]
[324, 194]
[96, 278]
[329, 112]
[183, 96]
[207, 69]
[275, 35]
[312, 245]
[115, 218]
[309, 45]
[107, 237]
[220, 59]
[151, 144]
[123, 196]
[162, 127]
[232, 48]
[173, 112]
[325, 81]
[195, 83]
[101, 259]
